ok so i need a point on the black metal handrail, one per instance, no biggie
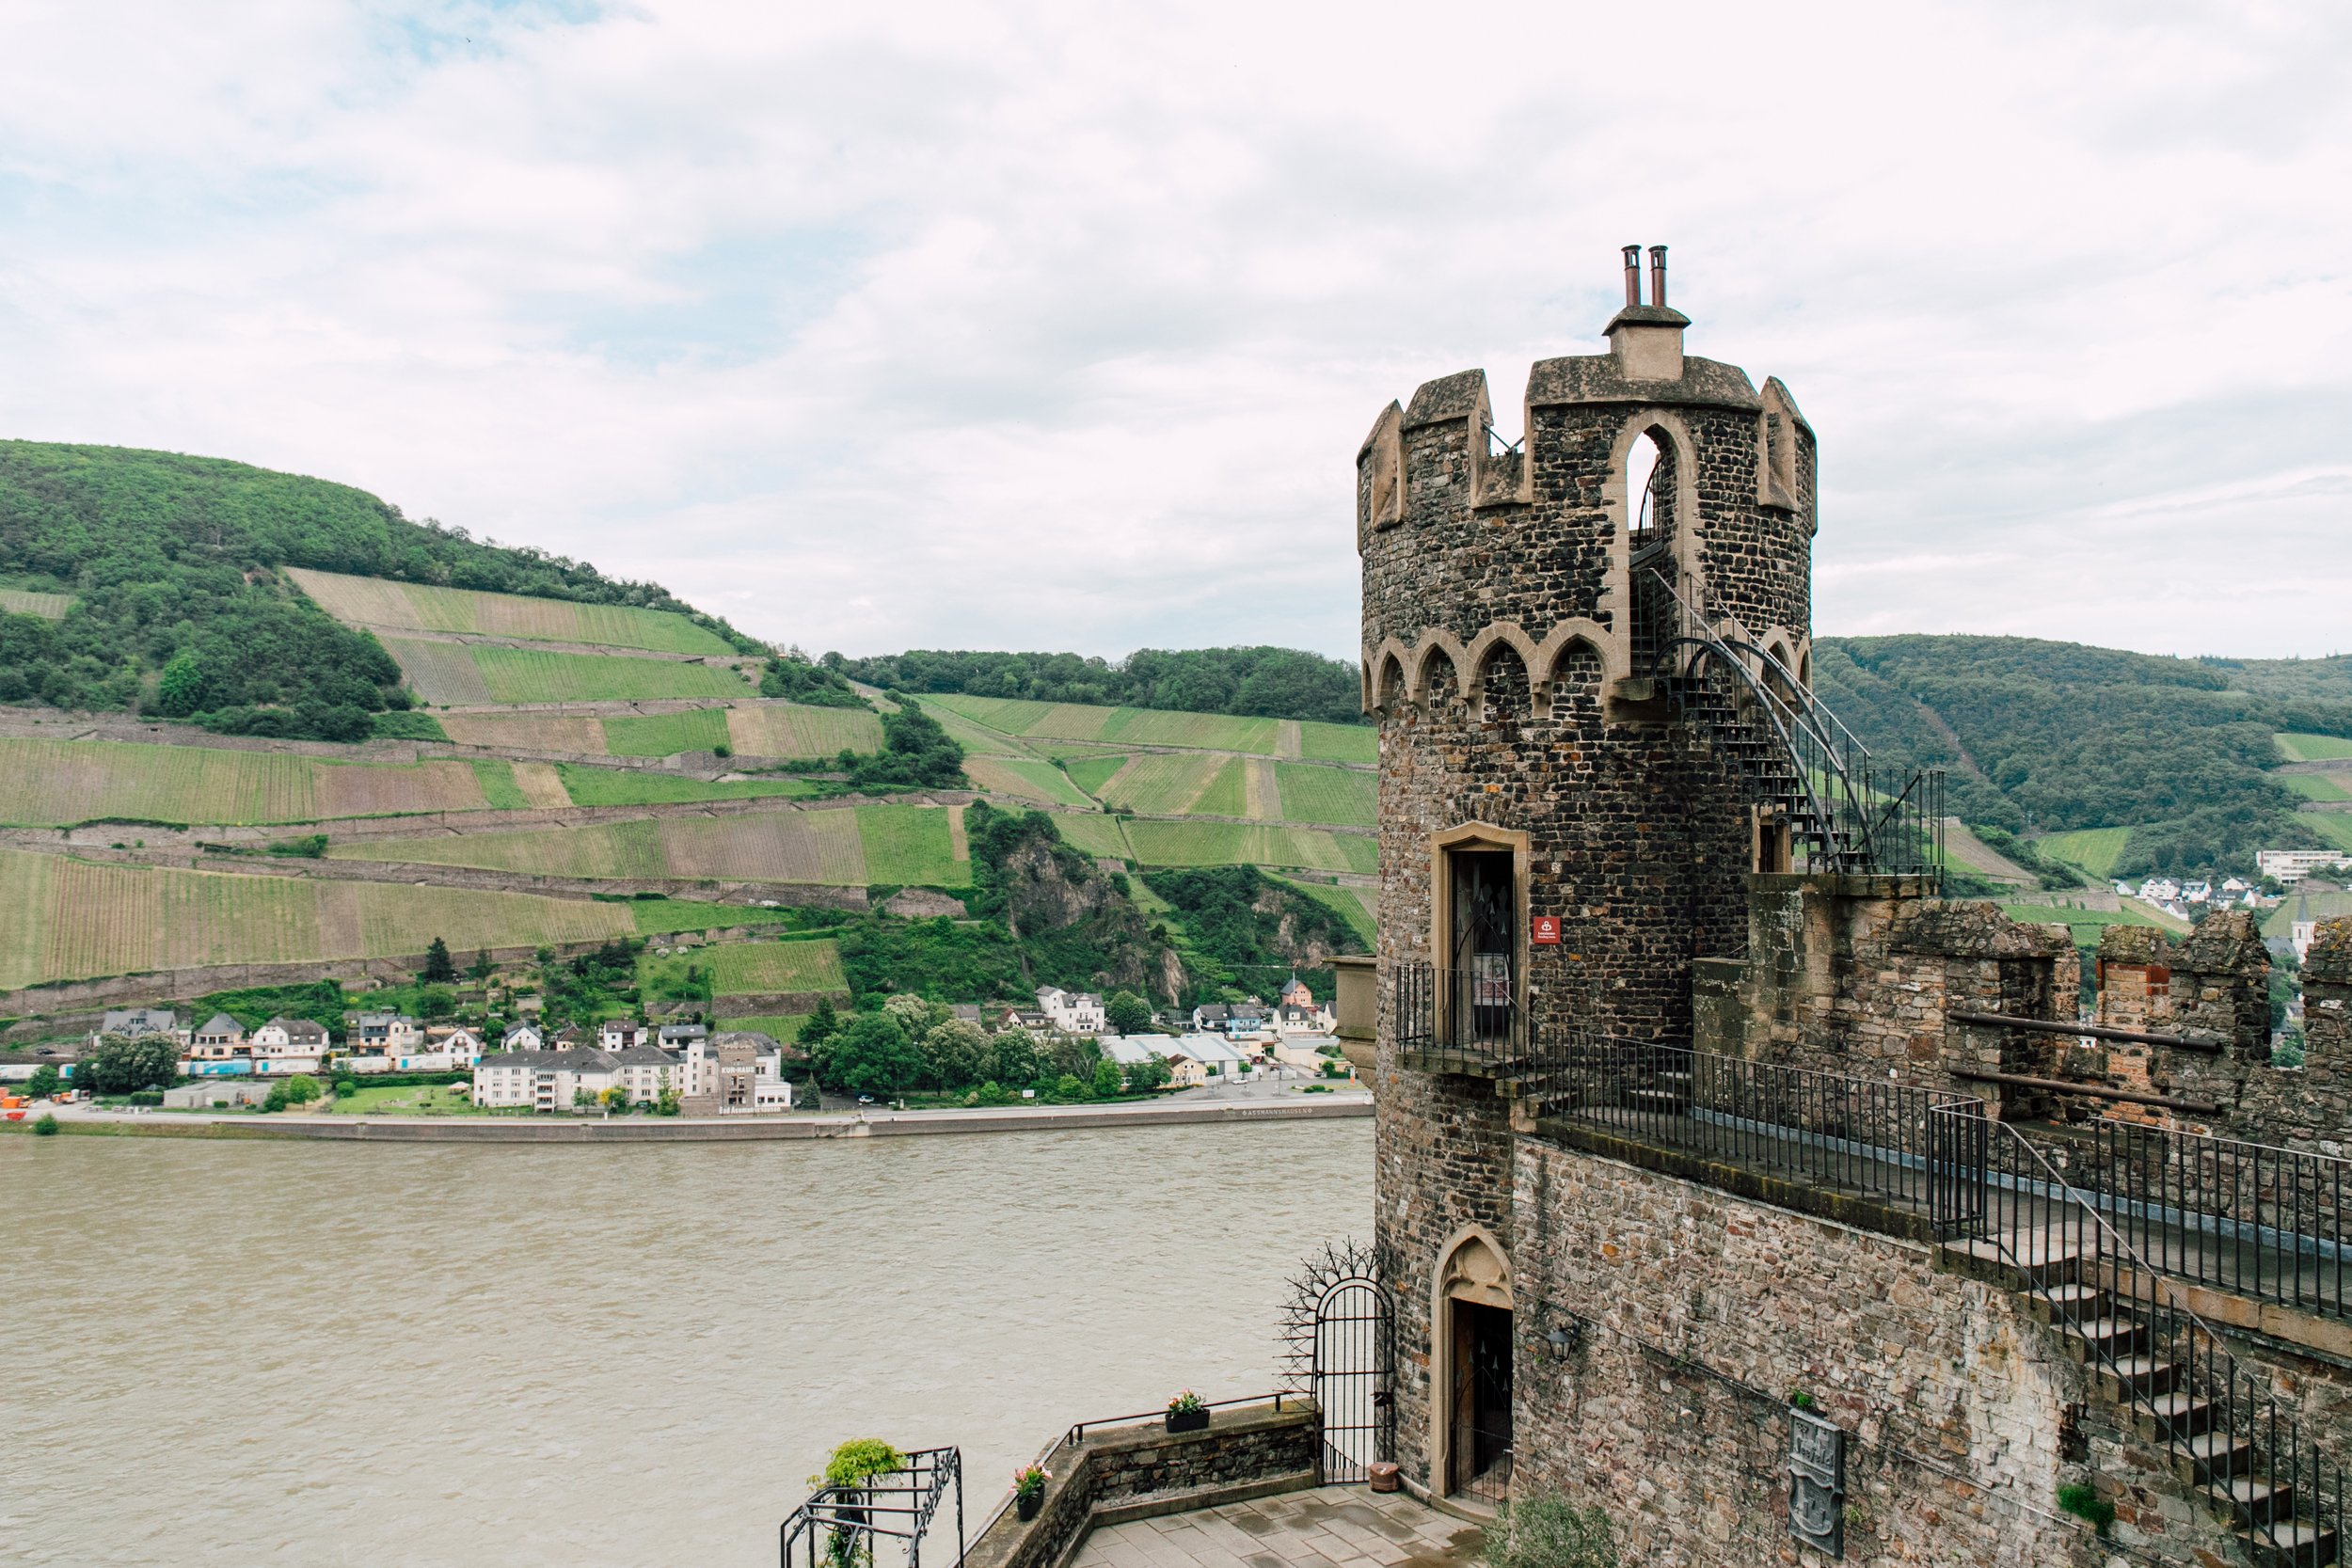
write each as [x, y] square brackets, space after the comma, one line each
[839, 1525]
[2247, 1218]
[1861, 1135]
[1789, 747]
[1469, 1014]
[1077, 1432]
[2226, 1428]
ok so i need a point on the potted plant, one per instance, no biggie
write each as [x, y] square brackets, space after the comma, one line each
[1028, 1489]
[1188, 1412]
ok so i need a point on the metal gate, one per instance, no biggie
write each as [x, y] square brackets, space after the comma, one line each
[1342, 1338]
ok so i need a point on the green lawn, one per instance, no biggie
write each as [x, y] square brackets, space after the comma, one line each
[536, 676]
[665, 734]
[2313, 748]
[2314, 786]
[403, 1099]
[2095, 849]
[620, 786]
[910, 847]
[1338, 796]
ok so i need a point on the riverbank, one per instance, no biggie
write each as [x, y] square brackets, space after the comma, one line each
[670, 1130]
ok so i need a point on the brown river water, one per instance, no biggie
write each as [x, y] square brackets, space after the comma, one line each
[318, 1354]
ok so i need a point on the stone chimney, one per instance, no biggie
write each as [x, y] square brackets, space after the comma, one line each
[1646, 339]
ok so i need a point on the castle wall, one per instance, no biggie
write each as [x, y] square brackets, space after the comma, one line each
[2310, 1107]
[1690, 1317]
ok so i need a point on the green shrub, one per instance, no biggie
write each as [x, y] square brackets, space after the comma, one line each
[859, 1461]
[148, 1097]
[1550, 1532]
[2082, 1500]
[47, 1126]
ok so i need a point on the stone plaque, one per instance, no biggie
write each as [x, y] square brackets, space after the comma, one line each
[1816, 1482]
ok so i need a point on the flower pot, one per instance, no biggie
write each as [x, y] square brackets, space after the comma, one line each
[1188, 1420]
[1025, 1504]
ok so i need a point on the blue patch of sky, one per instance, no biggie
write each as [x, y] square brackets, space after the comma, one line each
[429, 35]
[732, 302]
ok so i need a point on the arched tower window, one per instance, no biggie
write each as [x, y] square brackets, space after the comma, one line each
[1650, 523]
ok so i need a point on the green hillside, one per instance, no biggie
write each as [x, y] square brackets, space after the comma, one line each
[171, 567]
[2059, 737]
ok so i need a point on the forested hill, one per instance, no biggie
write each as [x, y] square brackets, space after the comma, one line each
[2050, 736]
[168, 562]
[1252, 683]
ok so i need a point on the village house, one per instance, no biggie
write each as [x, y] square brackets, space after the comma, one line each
[1070, 1012]
[286, 1045]
[218, 1048]
[523, 1036]
[136, 1022]
[621, 1033]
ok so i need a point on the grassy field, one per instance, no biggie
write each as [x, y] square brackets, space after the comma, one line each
[821, 846]
[909, 845]
[2335, 827]
[755, 968]
[785, 1027]
[24, 601]
[1135, 726]
[1240, 843]
[536, 676]
[499, 787]
[2315, 787]
[2313, 748]
[2299, 905]
[2086, 924]
[1337, 796]
[51, 782]
[1092, 773]
[418, 607]
[659, 917]
[772, 729]
[1350, 904]
[1337, 742]
[2095, 849]
[620, 786]
[404, 1100]
[63, 919]
[1028, 779]
[665, 734]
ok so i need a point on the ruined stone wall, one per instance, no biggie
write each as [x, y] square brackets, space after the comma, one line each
[1855, 975]
[2310, 1107]
[1689, 1317]
[2212, 985]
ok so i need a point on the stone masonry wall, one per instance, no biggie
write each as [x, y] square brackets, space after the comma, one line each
[2211, 985]
[1690, 1317]
[2310, 1107]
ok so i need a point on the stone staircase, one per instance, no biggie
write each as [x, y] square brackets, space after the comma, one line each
[2171, 1381]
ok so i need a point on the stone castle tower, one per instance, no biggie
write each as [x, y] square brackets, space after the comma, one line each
[1517, 603]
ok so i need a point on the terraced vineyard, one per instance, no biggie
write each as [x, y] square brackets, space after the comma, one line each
[849, 847]
[2313, 748]
[1135, 726]
[752, 728]
[1031, 781]
[2095, 849]
[63, 919]
[2317, 786]
[1154, 842]
[22, 601]
[1338, 796]
[54, 782]
[475, 673]
[615, 787]
[755, 968]
[391, 605]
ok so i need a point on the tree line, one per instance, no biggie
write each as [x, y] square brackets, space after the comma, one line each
[1257, 683]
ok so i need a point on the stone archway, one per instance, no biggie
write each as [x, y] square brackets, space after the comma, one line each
[1470, 1366]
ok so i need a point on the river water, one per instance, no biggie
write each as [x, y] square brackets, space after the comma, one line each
[311, 1353]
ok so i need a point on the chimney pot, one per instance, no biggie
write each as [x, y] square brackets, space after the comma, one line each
[1658, 275]
[1632, 276]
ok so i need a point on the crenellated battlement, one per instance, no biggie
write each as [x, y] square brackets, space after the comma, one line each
[1468, 541]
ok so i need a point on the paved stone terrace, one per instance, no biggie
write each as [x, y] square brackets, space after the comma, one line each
[1332, 1527]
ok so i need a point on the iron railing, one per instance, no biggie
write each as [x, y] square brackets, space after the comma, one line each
[1473, 1016]
[840, 1527]
[2229, 1434]
[1858, 1136]
[2242, 1217]
[1843, 811]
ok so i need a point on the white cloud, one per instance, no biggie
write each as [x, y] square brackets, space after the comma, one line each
[1056, 326]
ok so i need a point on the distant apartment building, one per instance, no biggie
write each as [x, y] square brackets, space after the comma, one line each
[1070, 1012]
[2289, 867]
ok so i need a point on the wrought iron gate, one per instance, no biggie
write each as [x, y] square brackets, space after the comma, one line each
[1342, 1351]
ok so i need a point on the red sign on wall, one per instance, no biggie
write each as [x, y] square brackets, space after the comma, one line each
[1547, 932]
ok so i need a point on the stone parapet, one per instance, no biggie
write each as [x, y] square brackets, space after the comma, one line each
[1134, 1472]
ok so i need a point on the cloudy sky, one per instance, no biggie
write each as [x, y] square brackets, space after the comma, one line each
[1057, 325]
